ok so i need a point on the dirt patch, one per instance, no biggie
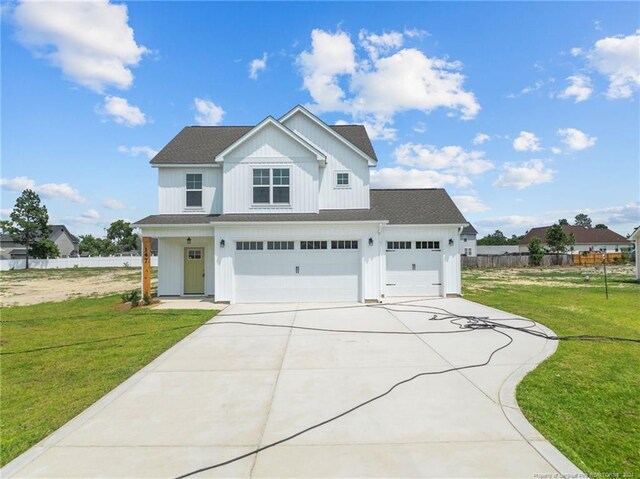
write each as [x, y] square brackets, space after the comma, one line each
[43, 286]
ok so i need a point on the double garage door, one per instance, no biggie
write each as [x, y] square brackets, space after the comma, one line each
[304, 271]
[413, 268]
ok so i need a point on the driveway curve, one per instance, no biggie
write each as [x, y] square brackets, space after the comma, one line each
[228, 389]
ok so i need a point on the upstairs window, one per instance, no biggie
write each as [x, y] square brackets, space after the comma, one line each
[271, 186]
[194, 190]
[342, 179]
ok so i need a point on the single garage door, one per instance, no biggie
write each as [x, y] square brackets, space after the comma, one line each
[292, 271]
[413, 268]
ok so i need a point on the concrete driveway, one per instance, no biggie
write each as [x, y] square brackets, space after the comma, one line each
[227, 389]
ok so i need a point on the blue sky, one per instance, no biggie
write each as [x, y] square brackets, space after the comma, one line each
[524, 112]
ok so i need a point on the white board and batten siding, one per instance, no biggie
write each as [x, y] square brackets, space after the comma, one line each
[340, 158]
[322, 275]
[270, 148]
[171, 264]
[172, 190]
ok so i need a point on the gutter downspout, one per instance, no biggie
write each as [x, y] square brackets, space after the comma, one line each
[380, 265]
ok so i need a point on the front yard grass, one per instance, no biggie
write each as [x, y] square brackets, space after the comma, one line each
[585, 399]
[59, 358]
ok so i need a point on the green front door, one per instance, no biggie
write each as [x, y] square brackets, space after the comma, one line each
[194, 271]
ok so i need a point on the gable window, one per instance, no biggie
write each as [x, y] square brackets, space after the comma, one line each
[194, 190]
[398, 245]
[342, 179]
[271, 186]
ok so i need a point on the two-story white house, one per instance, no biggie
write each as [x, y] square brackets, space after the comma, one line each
[283, 212]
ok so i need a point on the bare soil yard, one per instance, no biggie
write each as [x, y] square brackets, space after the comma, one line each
[565, 277]
[20, 287]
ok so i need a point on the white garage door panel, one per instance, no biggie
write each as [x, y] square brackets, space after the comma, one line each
[403, 280]
[270, 276]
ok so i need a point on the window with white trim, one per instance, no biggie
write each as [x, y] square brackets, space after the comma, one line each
[344, 244]
[249, 245]
[271, 186]
[391, 245]
[467, 251]
[343, 179]
[194, 190]
[313, 245]
[279, 245]
[427, 244]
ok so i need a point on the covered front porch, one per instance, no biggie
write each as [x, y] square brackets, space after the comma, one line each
[186, 259]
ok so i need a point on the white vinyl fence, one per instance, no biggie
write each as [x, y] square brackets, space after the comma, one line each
[97, 262]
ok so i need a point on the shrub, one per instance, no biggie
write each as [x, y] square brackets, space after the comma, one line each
[146, 298]
[132, 297]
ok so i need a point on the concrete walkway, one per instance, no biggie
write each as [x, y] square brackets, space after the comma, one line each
[228, 389]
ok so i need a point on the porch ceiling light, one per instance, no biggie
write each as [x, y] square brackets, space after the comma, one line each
[189, 240]
[370, 241]
[450, 241]
[221, 243]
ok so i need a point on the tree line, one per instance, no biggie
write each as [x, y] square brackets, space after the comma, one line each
[29, 226]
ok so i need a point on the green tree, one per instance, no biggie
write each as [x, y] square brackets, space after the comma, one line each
[563, 222]
[44, 248]
[29, 221]
[601, 226]
[515, 239]
[558, 241]
[96, 246]
[496, 239]
[536, 251]
[121, 234]
[582, 220]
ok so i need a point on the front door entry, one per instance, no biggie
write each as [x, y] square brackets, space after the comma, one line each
[194, 271]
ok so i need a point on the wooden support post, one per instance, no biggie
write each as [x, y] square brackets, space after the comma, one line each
[146, 266]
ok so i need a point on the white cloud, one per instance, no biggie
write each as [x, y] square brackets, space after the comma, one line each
[48, 190]
[59, 190]
[618, 59]
[510, 224]
[481, 138]
[528, 89]
[576, 52]
[524, 175]
[470, 204]
[580, 88]
[375, 44]
[576, 139]
[5, 212]
[122, 112]
[331, 55]
[207, 112]
[398, 177]
[416, 33]
[374, 87]
[451, 159]
[257, 65]
[89, 217]
[617, 215]
[420, 127]
[526, 141]
[113, 204]
[555, 150]
[91, 42]
[138, 150]
[19, 183]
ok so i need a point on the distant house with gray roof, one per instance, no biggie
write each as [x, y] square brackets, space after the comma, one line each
[60, 235]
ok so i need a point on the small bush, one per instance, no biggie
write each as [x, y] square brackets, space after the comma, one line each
[132, 297]
[146, 298]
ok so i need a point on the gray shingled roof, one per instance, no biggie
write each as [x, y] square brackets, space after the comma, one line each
[199, 145]
[420, 206]
[469, 230]
[581, 234]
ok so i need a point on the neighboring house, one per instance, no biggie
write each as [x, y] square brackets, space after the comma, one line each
[498, 250]
[635, 237]
[60, 235]
[283, 212]
[587, 239]
[468, 245]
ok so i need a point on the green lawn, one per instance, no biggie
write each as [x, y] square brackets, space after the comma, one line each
[59, 358]
[586, 398]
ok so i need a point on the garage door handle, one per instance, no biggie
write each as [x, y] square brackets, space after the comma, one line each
[297, 269]
[391, 284]
[436, 284]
